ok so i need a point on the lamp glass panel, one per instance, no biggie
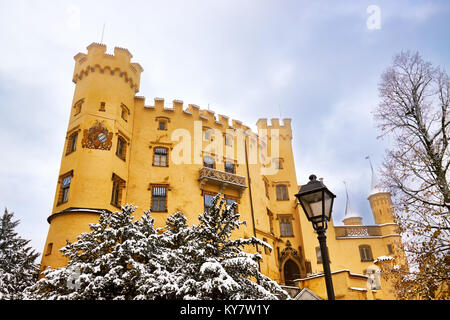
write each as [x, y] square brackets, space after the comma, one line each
[328, 205]
[313, 204]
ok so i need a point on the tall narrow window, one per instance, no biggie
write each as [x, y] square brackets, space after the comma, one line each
[228, 140]
[282, 193]
[115, 198]
[308, 267]
[49, 249]
[102, 106]
[390, 250]
[160, 157]
[118, 186]
[72, 143]
[207, 201]
[365, 252]
[159, 198]
[319, 255]
[65, 188]
[270, 215]
[286, 225]
[65, 181]
[121, 151]
[125, 112]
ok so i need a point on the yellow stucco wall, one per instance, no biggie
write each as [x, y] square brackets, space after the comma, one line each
[114, 81]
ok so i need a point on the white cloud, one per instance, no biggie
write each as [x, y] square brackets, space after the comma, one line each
[73, 17]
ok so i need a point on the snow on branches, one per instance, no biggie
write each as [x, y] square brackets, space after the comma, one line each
[17, 260]
[125, 259]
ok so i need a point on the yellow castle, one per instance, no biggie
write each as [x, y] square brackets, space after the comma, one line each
[170, 158]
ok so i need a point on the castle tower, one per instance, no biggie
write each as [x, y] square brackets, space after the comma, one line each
[380, 201]
[280, 183]
[351, 216]
[97, 143]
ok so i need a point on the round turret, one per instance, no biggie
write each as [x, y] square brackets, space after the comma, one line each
[94, 166]
[380, 201]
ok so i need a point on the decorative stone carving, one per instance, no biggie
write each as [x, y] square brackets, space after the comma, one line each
[97, 137]
[289, 252]
[221, 178]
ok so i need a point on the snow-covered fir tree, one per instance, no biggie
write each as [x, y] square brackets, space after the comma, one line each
[110, 262]
[18, 268]
[125, 259]
[205, 263]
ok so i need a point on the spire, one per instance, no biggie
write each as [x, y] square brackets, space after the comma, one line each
[349, 211]
[375, 183]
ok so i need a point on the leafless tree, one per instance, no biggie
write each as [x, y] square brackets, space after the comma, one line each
[414, 111]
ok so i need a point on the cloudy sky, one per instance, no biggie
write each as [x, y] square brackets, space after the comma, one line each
[317, 62]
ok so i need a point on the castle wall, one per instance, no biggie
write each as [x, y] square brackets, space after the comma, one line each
[106, 110]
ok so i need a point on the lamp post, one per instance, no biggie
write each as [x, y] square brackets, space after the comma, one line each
[317, 203]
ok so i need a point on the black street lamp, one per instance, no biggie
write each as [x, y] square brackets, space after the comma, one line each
[317, 203]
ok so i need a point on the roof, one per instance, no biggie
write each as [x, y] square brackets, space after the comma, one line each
[349, 210]
[375, 186]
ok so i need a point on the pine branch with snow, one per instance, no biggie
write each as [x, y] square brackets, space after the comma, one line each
[18, 268]
[125, 259]
[108, 263]
[207, 264]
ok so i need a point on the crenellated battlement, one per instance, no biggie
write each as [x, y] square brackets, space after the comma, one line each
[97, 60]
[193, 112]
[275, 123]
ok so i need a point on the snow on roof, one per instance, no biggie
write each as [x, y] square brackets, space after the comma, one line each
[383, 258]
[358, 289]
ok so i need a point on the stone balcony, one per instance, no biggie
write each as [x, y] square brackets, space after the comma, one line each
[357, 231]
[222, 179]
